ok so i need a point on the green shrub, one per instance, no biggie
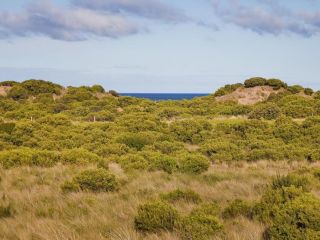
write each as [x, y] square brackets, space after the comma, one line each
[70, 186]
[134, 161]
[297, 219]
[95, 180]
[182, 195]
[78, 156]
[136, 140]
[295, 89]
[227, 89]
[28, 157]
[9, 83]
[291, 180]
[200, 224]
[114, 93]
[308, 91]
[317, 174]
[192, 131]
[165, 163]
[276, 84]
[237, 208]
[7, 127]
[199, 227]
[97, 89]
[35, 87]
[167, 147]
[102, 116]
[273, 200]
[254, 82]
[155, 216]
[17, 92]
[193, 163]
[297, 106]
[6, 211]
[267, 111]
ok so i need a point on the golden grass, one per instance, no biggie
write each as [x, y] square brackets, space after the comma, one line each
[42, 211]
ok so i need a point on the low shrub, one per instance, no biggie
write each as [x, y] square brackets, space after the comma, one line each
[297, 219]
[182, 195]
[155, 216]
[135, 140]
[276, 83]
[200, 224]
[295, 89]
[273, 201]
[267, 111]
[199, 227]
[7, 127]
[165, 163]
[18, 93]
[237, 208]
[28, 157]
[70, 186]
[291, 180]
[254, 82]
[192, 131]
[78, 156]
[308, 91]
[134, 161]
[193, 163]
[95, 180]
[227, 89]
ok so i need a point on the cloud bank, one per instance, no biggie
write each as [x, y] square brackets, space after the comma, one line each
[84, 19]
[267, 16]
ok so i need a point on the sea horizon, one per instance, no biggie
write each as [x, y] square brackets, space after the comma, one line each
[165, 96]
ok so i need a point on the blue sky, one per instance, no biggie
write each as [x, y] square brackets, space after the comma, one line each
[160, 45]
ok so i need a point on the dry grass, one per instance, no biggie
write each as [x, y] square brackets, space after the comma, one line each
[42, 211]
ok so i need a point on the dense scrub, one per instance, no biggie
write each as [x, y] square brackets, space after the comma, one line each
[150, 164]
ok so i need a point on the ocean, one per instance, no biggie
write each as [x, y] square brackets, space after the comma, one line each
[165, 96]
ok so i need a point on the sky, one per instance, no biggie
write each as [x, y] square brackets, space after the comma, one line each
[182, 46]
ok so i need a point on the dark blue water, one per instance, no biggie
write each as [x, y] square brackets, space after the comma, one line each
[165, 96]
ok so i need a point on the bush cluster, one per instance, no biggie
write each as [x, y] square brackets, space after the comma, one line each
[155, 216]
[95, 180]
[182, 195]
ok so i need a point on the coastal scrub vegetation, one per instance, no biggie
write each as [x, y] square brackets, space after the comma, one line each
[88, 163]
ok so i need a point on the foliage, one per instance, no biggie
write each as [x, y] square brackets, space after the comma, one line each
[28, 157]
[291, 180]
[254, 82]
[237, 208]
[267, 111]
[155, 216]
[276, 83]
[8, 83]
[184, 195]
[229, 88]
[295, 89]
[193, 163]
[17, 92]
[95, 180]
[298, 219]
[308, 91]
[201, 224]
[193, 131]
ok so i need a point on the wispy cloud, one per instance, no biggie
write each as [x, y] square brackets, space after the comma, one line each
[153, 9]
[267, 16]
